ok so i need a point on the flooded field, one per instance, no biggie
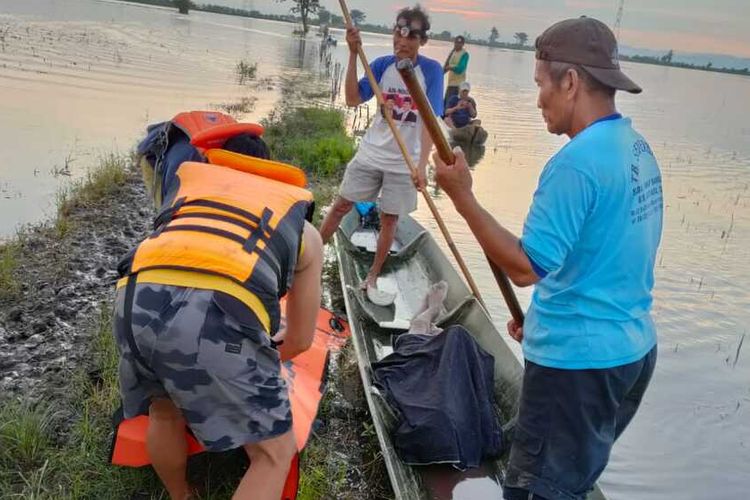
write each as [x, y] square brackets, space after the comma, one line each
[82, 78]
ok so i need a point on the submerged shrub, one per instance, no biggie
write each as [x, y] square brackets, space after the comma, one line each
[246, 71]
[314, 139]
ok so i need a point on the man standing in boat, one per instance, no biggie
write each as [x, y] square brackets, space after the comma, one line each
[589, 244]
[379, 166]
[455, 66]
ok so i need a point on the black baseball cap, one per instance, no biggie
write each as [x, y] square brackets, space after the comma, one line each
[589, 43]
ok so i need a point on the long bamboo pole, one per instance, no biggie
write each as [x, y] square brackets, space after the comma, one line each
[410, 162]
[406, 69]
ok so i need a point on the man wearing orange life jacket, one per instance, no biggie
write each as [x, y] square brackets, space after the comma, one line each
[197, 316]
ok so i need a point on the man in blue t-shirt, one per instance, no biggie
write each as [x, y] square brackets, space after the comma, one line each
[379, 166]
[589, 244]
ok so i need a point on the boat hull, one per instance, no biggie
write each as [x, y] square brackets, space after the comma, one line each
[415, 263]
[470, 134]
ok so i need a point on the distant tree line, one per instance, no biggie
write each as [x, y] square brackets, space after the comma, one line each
[231, 11]
[305, 8]
[666, 60]
[217, 9]
[184, 6]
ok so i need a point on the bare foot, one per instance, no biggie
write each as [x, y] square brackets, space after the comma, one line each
[370, 281]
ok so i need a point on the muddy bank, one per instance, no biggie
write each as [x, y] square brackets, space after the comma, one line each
[65, 268]
[62, 283]
[50, 341]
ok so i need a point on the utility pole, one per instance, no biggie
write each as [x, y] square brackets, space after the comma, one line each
[618, 20]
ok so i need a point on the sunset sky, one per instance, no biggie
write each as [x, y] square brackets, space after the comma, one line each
[702, 26]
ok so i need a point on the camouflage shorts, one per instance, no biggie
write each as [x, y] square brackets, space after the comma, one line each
[207, 352]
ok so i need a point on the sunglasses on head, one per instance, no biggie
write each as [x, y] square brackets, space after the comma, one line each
[405, 31]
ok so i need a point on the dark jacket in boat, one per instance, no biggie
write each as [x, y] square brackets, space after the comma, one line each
[442, 390]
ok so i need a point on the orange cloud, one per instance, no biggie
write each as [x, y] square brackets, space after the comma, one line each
[468, 14]
[714, 30]
[468, 9]
[587, 4]
[445, 4]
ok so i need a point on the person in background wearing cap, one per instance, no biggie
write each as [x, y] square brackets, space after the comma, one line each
[589, 244]
[461, 109]
[379, 165]
[455, 65]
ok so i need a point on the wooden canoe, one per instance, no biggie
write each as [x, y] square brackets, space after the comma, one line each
[471, 134]
[416, 262]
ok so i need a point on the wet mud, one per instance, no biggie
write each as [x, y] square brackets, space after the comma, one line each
[63, 284]
[66, 283]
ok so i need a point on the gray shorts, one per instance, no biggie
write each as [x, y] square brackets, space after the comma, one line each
[363, 182]
[207, 352]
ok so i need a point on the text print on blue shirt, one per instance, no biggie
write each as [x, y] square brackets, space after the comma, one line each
[647, 195]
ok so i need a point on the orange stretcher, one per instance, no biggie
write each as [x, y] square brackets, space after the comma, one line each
[305, 376]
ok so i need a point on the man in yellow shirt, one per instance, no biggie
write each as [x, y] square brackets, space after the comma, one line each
[455, 66]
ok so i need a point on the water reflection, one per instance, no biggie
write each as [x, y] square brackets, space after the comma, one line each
[299, 62]
[473, 153]
[446, 483]
[81, 81]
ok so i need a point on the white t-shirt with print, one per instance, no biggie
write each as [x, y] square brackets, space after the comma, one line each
[378, 147]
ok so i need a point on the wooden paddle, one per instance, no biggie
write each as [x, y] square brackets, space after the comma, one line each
[406, 69]
[410, 162]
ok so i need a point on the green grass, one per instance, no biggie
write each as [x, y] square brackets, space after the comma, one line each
[25, 435]
[324, 192]
[43, 458]
[42, 454]
[9, 285]
[99, 183]
[312, 138]
[319, 478]
[322, 473]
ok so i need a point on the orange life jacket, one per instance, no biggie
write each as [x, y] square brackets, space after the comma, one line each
[228, 223]
[194, 122]
[202, 129]
[210, 129]
[266, 168]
